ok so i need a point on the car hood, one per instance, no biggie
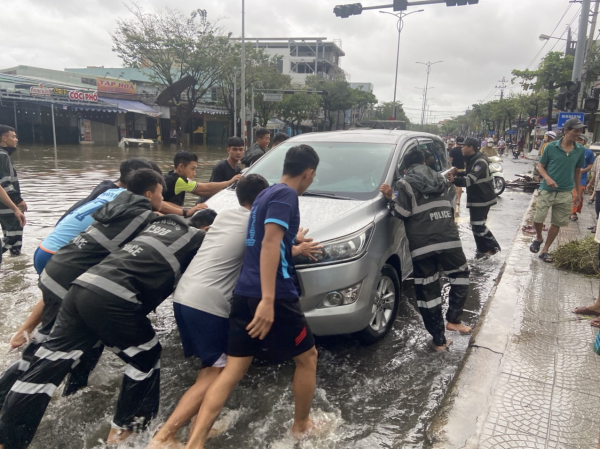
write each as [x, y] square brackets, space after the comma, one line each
[326, 218]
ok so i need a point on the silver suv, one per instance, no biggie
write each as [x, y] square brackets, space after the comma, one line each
[355, 285]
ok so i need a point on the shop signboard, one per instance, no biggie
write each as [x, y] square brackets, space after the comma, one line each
[115, 86]
[273, 96]
[83, 96]
[60, 91]
[40, 91]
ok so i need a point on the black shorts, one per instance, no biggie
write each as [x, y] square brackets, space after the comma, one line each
[289, 336]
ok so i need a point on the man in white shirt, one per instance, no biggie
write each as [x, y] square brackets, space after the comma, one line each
[202, 300]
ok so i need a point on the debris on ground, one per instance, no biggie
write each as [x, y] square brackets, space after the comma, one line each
[580, 256]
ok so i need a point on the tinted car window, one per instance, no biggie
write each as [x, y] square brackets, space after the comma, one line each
[354, 170]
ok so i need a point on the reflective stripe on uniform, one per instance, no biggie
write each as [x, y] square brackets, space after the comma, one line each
[478, 223]
[433, 204]
[13, 233]
[138, 375]
[107, 243]
[458, 270]
[109, 286]
[6, 211]
[132, 226]
[489, 203]
[52, 285]
[29, 388]
[134, 350]
[429, 280]
[429, 304]
[436, 247]
[44, 353]
[459, 281]
[164, 251]
[183, 240]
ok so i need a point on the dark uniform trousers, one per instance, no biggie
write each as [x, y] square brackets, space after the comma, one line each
[484, 239]
[85, 318]
[452, 263]
[77, 378]
[13, 232]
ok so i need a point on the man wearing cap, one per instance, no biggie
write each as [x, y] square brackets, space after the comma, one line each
[480, 194]
[457, 160]
[560, 167]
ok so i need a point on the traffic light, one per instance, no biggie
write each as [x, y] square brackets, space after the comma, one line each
[560, 101]
[461, 2]
[591, 104]
[400, 5]
[345, 11]
[572, 93]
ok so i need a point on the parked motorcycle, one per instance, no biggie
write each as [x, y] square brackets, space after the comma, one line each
[496, 170]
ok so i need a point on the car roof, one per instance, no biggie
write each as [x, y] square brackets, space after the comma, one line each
[362, 136]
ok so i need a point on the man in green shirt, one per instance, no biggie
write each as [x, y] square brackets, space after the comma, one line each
[560, 167]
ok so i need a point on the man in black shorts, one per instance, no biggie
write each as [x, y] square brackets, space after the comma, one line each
[457, 160]
[265, 315]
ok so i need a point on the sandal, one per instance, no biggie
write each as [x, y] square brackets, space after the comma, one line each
[546, 257]
[593, 230]
[584, 310]
[574, 217]
[535, 246]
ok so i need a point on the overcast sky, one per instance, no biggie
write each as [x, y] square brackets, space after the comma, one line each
[478, 44]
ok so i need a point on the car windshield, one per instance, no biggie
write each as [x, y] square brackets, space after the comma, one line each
[346, 170]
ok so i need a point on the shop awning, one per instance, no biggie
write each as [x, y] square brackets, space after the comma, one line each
[136, 107]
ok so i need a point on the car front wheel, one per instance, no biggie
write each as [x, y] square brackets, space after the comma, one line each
[384, 307]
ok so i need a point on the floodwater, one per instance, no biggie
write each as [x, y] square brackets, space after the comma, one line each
[380, 396]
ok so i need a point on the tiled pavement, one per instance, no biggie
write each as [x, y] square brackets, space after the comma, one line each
[545, 390]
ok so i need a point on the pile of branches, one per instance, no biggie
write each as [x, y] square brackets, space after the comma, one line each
[580, 256]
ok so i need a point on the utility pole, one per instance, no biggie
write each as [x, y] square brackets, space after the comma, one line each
[243, 86]
[428, 65]
[502, 87]
[582, 35]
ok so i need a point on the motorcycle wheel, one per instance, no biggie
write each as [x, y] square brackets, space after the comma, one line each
[499, 185]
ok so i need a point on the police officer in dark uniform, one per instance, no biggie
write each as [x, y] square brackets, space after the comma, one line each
[117, 222]
[480, 194]
[110, 302]
[426, 202]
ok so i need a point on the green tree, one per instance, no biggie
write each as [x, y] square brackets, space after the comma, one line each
[363, 101]
[269, 78]
[339, 96]
[172, 46]
[297, 107]
[385, 111]
[555, 66]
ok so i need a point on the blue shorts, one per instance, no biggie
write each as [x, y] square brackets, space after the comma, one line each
[202, 334]
[40, 259]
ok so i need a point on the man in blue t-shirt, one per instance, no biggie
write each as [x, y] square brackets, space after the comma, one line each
[265, 315]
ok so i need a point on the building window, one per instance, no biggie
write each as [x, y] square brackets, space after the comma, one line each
[90, 81]
[213, 94]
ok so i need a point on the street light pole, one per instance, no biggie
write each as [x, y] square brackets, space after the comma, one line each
[400, 16]
[243, 83]
[428, 65]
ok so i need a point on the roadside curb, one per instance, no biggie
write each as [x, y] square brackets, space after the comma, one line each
[458, 420]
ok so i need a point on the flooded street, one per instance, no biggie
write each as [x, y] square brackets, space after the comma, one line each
[380, 396]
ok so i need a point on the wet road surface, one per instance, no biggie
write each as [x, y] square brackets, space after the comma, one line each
[377, 396]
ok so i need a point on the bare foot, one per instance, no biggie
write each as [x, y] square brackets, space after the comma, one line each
[460, 327]
[169, 443]
[116, 436]
[441, 348]
[595, 322]
[587, 310]
[301, 431]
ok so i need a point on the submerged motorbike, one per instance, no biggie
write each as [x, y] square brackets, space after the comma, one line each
[496, 170]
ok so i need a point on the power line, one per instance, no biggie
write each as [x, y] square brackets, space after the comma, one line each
[546, 43]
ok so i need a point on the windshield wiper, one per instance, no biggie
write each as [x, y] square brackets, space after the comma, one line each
[327, 195]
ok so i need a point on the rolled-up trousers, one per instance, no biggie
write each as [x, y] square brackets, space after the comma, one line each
[451, 263]
[484, 239]
[85, 318]
[12, 232]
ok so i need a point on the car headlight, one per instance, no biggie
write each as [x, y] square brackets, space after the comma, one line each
[341, 297]
[344, 249]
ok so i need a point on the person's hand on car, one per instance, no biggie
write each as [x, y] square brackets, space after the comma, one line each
[301, 236]
[309, 249]
[387, 191]
[234, 179]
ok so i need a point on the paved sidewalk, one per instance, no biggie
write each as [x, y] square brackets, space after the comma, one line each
[531, 378]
